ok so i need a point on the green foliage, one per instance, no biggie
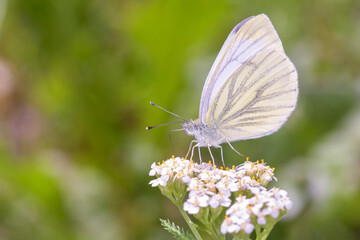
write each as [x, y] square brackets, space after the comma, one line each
[76, 77]
[175, 230]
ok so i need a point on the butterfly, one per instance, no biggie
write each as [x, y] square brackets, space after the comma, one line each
[250, 91]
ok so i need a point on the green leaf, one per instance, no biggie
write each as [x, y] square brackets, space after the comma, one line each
[176, 231]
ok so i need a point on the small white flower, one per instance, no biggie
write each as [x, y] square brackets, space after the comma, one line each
[248, 227]
[203, 200]
[160, 181]
[287, 203]
[186, 178]
[154, 182]
[204, 176]
[227, 226]
[155, 169]
[166, 171]
[283, 201]
[247, 167]
[235, 224]
[261, 220]
[193, 204]
[238, 217]
[234, 186]
[268, 176]
[196, 188]
[222, 199]
[183, 175]
[275, 213]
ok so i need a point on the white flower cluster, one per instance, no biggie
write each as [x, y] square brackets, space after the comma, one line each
[209, 186]
[173, 168]
[263, 204]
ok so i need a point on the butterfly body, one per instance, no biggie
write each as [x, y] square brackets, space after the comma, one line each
[205, 136]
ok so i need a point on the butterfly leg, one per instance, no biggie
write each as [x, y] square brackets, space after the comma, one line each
[211, 155]
[199, 154]
[192, 150]
[191, 143]
[222, 155]
[234, 148]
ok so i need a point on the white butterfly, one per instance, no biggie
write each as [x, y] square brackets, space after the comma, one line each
[250, 91]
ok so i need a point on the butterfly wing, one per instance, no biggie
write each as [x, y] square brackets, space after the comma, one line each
[252, 35]
[256, 99]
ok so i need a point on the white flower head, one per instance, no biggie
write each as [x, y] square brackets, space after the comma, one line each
[211, 187]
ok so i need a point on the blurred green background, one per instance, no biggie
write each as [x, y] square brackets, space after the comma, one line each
[76, 78]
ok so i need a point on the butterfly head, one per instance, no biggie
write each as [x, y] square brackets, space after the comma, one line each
[193, 127]
[189, 127]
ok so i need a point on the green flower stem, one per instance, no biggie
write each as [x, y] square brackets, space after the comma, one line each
[177, 200]
[211, 227]
[269, 226]
[265, 233]
[258, 230]
[217, 234]
[189, 222]
[209, 223]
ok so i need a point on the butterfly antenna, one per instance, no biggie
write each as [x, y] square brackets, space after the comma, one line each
[148, 128]
[168, 111]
